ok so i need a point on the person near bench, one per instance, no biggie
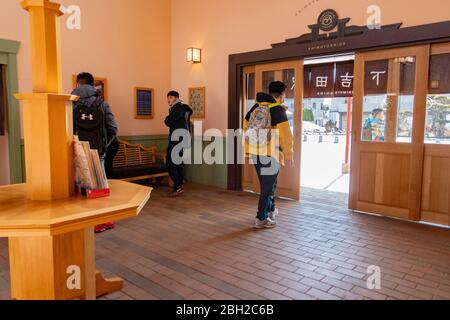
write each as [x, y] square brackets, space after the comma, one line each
[93, 120]
[178, 118]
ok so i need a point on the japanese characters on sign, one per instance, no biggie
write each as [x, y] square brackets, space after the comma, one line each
[344, 79]
[375, 78]
[378, 72]
[321, 82]
[329, 80]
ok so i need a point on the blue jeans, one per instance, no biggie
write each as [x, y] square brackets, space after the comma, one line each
[267, 169]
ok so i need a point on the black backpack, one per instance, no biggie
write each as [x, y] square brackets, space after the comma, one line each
[90, 125]
[189, 124]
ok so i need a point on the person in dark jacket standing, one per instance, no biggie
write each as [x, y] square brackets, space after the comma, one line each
[93, 120]
[178, 118]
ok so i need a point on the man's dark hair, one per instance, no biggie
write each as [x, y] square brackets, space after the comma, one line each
[85, 78]
[376, 112]
[174, 94]
[277, 88]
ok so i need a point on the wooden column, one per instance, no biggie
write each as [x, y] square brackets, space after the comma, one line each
[45, 46]
[46, 112]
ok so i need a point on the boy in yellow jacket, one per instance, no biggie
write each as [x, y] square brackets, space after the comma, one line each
[268, 147]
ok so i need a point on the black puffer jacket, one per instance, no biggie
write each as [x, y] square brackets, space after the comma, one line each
[179, 118]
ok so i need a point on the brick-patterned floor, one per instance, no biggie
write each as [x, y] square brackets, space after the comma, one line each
[202, 246]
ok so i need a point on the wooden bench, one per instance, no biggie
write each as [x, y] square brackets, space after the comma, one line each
[135, 162]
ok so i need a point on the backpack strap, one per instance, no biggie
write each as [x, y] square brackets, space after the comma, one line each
[273, 105]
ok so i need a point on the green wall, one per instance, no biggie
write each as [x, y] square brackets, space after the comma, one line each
[211, 175]
[8, 57]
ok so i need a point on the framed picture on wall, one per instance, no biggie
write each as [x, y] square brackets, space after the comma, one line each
[100, 83]
[144, 103]
[197, 101]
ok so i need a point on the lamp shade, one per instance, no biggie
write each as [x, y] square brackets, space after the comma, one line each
[194, 55]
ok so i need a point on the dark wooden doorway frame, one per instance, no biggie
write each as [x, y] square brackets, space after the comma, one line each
[351, 40]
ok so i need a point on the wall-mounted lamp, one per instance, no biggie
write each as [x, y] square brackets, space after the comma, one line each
[194, 55]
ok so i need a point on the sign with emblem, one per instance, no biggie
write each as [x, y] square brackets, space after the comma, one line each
[328, 20]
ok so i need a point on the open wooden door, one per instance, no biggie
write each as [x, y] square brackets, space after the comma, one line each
[436, 175]
[257, 79]
[388, 131]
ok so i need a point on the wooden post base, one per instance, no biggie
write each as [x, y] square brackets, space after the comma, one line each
[60, 267]
[107, 286]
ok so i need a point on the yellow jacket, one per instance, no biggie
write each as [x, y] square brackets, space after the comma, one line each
[281, 146]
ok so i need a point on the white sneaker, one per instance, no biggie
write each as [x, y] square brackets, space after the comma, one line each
[266, 224]
[273, 215]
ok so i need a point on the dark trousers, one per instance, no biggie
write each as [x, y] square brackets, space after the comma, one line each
[111, 152]
[175, 170]
[267, 169]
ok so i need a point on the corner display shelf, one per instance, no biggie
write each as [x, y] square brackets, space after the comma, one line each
[50, 240]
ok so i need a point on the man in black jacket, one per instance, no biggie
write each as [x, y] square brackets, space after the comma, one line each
[178, 119]
[93, 119]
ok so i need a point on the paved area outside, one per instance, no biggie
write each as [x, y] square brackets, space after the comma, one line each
[322, 164]
[202, 246]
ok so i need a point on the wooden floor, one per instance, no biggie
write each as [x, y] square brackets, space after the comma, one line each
[202, 246]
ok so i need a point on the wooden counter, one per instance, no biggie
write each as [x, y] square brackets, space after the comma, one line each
[22, 217]
[52, 243]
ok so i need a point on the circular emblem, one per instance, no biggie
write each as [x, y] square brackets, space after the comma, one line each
[328, 20]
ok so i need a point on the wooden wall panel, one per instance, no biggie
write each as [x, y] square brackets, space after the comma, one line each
[435, 206]
[367, 177]
[395, 185]
[384, 179]
[440, 181]
[436, 185]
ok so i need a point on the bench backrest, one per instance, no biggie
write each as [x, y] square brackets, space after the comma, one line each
[134, 155]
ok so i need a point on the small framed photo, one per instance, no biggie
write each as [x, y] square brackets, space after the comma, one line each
[100, 83]
[144, 103]
[197, 101]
